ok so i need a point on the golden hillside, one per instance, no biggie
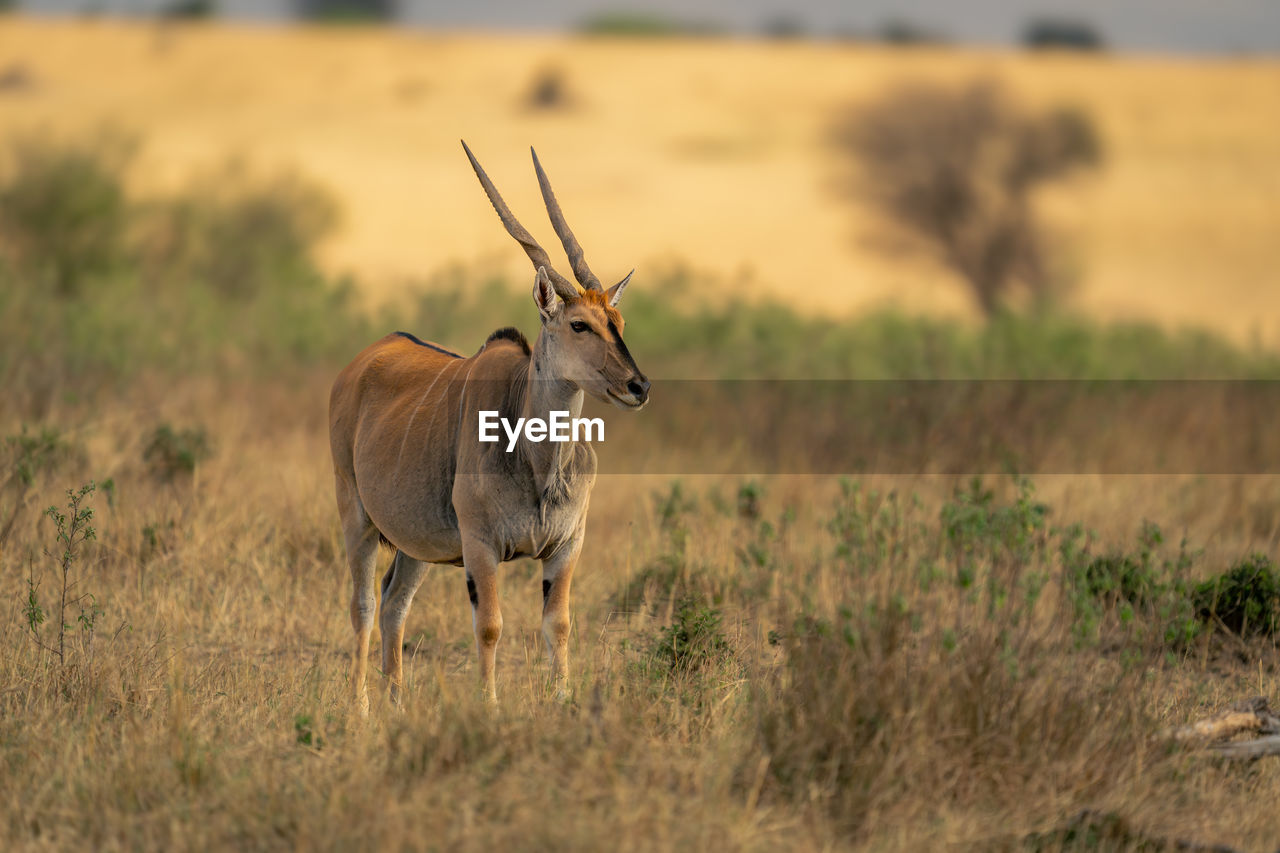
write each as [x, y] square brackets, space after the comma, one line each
[708, 152]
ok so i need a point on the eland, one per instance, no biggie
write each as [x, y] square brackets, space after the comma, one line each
[410, 471]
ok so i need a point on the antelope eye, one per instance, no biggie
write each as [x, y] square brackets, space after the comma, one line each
[579, 326]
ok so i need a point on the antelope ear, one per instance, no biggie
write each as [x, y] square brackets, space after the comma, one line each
[615, 292]
[544, 295]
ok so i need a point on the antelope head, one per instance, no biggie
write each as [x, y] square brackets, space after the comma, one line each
[581, 338]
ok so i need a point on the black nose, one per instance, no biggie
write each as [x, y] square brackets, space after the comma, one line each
[639, 388]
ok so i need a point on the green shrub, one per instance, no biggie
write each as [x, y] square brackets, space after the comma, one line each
[1145, 592]
[694, 640]
[22, 458]
[749, 495]
[1119, 578]
[96, 285]
[73, 531]
[1245, 599]
[239, 235]
[29, 453]
[1000, 546]
[64, 213]
[1128, 578]
[673, 506]
[174, 453]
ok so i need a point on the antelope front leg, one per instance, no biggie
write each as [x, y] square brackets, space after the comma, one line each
[557, 575]
[481, 565]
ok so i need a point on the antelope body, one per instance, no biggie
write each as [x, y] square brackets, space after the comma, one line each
[411, 472]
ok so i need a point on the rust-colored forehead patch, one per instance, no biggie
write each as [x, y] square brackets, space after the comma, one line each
[598, 299]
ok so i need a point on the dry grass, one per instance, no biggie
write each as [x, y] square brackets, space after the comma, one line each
[667, 147]
[216, 717]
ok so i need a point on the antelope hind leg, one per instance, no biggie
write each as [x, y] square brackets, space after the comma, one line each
[398, 588]
[361, 540]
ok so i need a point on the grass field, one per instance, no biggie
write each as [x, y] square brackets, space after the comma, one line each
[851, 671]
[759, 662]
[664, 146]
[890, 660]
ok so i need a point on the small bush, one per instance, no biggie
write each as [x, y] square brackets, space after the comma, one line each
[16, 77]
[694, 640]
[977, 527]
[96, 285]
[548, 91]
[174, 453]
[64, 214]
[29, 453]
[237, 235]
[673, 506]
[1143, 592]
[73, 531]
[22, 458]
[1245, 600]
[749, 494]
[1134, 579]
[1119, 578]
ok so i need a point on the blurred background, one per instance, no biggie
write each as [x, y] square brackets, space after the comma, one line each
[1241, 25]
[731, 143]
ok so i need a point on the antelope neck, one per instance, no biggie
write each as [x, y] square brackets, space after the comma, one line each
[545, 392]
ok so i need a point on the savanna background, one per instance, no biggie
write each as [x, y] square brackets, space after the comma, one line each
[202, 220]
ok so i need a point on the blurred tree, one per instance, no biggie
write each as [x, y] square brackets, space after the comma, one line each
[784, 27]
[632, 24]
[903, 33]
[1062, 33]
[958, 166]
[189, 10]
[346, 10]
